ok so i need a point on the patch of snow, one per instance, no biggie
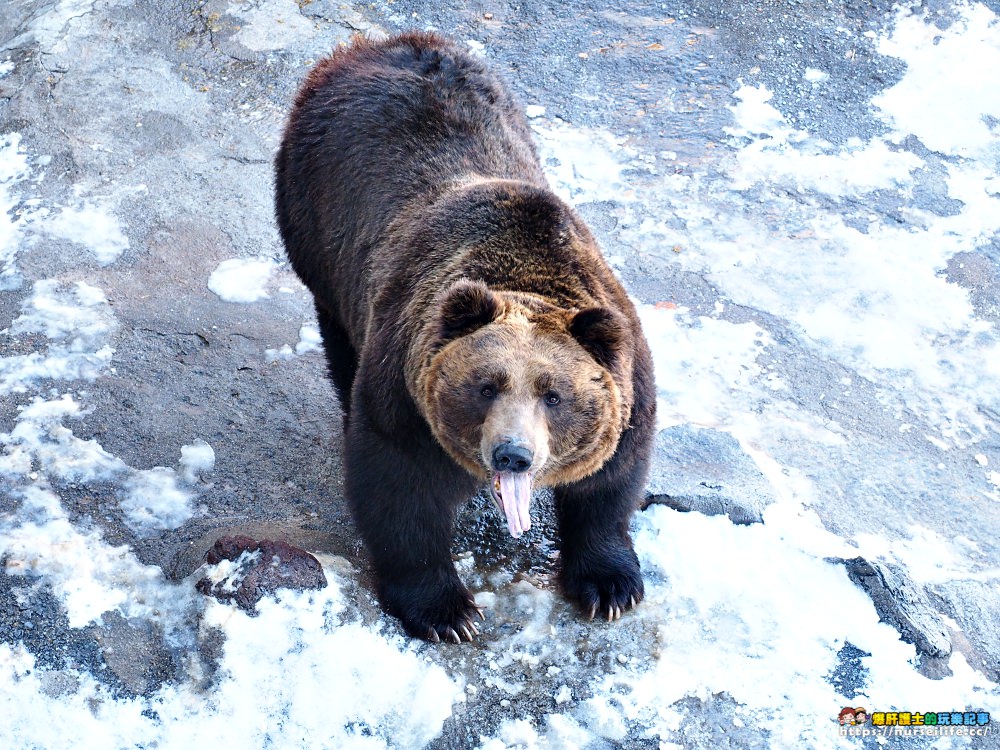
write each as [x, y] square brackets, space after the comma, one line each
[196, 459]
[815, 75]
[42, 439]
[242, 279]
[704, 367]
[153, 502]
[755, 117]
[741, 610]
[859, 293]
[87, 575]
[859, 170]
[755, 612]
[944, 76]
[584, 165]
[558, 732]
[76, 320]
[309, 340]
[13, 170]
[275, 355]
[301, 674]
[80, 313]
[92, 225]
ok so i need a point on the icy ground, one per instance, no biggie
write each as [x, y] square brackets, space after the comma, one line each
[750, 633]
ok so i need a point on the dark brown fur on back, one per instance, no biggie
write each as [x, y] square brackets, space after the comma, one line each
[451, 285]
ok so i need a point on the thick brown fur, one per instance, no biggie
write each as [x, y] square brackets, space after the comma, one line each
[458, 296]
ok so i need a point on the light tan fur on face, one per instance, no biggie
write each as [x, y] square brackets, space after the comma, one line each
[518, 415]
[524, 354]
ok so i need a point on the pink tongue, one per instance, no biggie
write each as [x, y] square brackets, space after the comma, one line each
[515, 489]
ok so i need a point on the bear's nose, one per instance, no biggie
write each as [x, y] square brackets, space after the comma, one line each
[512, 457]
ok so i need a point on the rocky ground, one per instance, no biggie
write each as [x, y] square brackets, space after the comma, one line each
[802, 197]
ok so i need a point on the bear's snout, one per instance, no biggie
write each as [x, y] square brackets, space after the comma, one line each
[512, 456]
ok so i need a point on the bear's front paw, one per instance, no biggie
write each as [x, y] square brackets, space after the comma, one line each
[606, 585]
[433, 610]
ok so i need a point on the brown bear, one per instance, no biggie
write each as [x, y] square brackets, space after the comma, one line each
[473, 331]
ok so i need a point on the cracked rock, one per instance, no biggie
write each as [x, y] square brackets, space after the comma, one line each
[901, 603]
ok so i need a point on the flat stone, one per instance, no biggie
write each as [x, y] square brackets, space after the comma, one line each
[707, 471]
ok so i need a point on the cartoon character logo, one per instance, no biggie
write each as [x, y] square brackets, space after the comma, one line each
[847, 716]
[860, 715]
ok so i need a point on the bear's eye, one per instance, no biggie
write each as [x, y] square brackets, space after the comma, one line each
[487, 391]
[552, 398]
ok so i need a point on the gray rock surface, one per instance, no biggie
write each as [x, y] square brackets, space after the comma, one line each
[706, 471]
[165, 116]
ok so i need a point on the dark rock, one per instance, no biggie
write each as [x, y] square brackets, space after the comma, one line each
[903, 604]
[707, 471]
[261, 568]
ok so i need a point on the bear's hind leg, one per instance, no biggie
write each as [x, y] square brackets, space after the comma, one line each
[403, 492]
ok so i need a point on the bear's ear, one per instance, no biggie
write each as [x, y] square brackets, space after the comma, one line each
[602, 332]
[465, 307]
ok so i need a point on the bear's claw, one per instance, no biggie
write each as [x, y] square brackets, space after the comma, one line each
[610, 586]
[435, 610]
[465, 630]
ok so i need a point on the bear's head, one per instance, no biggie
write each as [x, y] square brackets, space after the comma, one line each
[521, 392]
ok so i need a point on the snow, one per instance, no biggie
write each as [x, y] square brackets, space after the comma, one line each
[77, 321]
[704, 366]
[13, 170]
[302, 673]
[89, 576]
[196, 459]
[309, 341]
[944, 76]
[92, 225]
[748, 613]
[40, 438]
[583, 165]
[755, 613]
[859, 293]
[154, 502]
[241, 279]
[815, 75]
